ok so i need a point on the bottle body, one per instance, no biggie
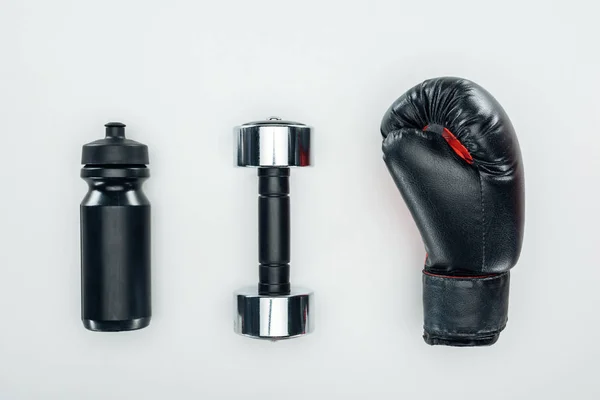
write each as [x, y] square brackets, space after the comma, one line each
[115, 249]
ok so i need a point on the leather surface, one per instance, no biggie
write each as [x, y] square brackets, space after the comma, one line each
[470, 216]
[467, 199]
[465, 311]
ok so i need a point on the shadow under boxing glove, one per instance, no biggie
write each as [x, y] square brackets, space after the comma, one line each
[453, 153]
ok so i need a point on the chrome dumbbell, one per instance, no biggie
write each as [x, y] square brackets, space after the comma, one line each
[273, 309]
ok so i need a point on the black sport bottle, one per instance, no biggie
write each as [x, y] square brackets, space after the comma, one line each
[115, 234]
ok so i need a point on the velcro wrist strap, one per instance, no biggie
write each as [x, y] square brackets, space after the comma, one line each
[464, 311]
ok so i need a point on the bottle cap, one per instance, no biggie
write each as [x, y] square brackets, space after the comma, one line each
[114, 149]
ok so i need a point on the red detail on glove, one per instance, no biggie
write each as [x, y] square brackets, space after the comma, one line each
[456, 145]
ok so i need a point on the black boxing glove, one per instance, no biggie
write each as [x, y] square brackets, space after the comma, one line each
[453, 153]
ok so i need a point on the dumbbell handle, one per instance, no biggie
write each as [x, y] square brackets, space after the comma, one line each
[274, 230]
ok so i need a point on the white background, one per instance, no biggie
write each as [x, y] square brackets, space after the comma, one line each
[181, 74]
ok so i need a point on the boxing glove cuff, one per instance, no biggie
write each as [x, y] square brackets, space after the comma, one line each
[464, 311]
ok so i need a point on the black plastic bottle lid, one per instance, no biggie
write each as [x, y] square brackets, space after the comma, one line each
[114, 149]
